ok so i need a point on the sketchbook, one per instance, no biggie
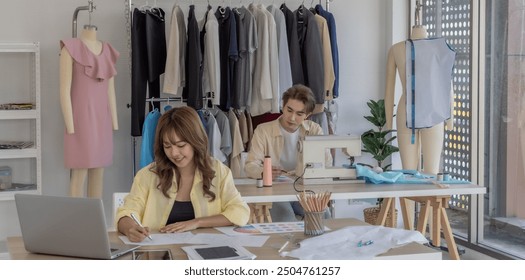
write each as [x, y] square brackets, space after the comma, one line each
[214, 252]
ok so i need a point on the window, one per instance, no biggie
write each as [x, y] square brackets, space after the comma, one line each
[503, 116]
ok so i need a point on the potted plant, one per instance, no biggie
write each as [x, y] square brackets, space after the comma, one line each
[378, 143]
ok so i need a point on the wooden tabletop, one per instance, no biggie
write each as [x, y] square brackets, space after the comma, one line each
[268, 252]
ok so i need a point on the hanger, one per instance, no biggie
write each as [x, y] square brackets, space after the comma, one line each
[168, 106]
[152, 104]
[222, 10]
[300, 9]
[145, 6]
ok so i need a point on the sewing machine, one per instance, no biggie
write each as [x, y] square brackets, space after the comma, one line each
[312, 164]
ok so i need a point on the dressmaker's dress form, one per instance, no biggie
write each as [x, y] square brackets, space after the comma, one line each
[91, 145]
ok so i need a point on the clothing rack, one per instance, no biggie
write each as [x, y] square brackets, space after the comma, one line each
[129, 15]
[90, 7]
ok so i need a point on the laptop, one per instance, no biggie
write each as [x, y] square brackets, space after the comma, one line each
[67, 226]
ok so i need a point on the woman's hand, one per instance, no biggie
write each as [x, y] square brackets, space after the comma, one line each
[181, 226]
[134, 232]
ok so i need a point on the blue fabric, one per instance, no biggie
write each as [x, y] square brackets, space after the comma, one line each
[370, 176]
[148, 138]
[400, 177]
[203, 119]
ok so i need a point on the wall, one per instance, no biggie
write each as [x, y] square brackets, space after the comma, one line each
[365, 28]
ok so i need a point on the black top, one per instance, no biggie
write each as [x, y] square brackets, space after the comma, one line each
[181, 211]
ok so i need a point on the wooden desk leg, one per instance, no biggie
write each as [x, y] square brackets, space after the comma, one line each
[392, 212]
[407, 221]
[422, 219]
[267, 214]
[385, 207]
[447, 231]
[435, 234]
[253, 216]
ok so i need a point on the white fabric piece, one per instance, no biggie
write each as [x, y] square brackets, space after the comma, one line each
[343, 244]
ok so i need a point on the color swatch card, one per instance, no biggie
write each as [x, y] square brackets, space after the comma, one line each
[264, 228]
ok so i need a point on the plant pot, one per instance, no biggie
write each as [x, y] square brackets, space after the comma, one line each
[371, 214]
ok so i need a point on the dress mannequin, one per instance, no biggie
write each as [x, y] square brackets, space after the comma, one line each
[78, 175]
[428, 141]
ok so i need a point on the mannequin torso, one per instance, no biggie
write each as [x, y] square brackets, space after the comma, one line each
[428, 141]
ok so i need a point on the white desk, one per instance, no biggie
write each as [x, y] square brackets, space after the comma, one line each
[286, 192]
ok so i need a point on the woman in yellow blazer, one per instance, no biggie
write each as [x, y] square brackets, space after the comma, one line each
[184, 188]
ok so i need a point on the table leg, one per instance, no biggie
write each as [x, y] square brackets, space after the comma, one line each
[435, 234]
[385, 207]
[407, 221]
[447, 231]
[422, 219]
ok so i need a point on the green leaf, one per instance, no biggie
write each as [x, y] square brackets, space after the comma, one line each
[377, 142]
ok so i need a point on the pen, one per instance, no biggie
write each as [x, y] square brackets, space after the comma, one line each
[138, 223]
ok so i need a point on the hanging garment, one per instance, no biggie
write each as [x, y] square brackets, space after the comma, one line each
[214, 136]
[148, 62]
[296, 64]
[329, 75]
[265, 84]
[211, 81]
[330, 20]
[91, 146]
[175, 72]
[247, 38]
[237, 145]
[224, 127]
[229, 53]
[193, 90]
[238, 72]
[311, 52]
[321, 119]
[147, 154]
[285, 72]
[243, 127]
[429, 65]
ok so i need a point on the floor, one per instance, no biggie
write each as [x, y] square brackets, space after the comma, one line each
[504, 234]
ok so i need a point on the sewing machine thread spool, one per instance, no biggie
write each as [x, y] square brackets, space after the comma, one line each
[267, 171]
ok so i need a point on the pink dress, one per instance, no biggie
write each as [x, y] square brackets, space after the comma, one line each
[91, 146]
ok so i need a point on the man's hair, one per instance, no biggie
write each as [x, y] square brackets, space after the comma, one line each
[301, 93]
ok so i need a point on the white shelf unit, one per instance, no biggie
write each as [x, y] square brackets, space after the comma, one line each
[20, 83]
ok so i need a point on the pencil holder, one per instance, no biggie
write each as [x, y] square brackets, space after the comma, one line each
[313, 223]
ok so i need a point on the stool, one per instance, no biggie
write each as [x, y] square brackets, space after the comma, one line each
[260, 212]
[439, 220]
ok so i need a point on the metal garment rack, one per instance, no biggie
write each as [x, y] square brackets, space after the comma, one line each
[129, 15]
[90, 7]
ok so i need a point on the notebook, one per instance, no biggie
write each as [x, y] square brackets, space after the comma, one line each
[68, 226]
